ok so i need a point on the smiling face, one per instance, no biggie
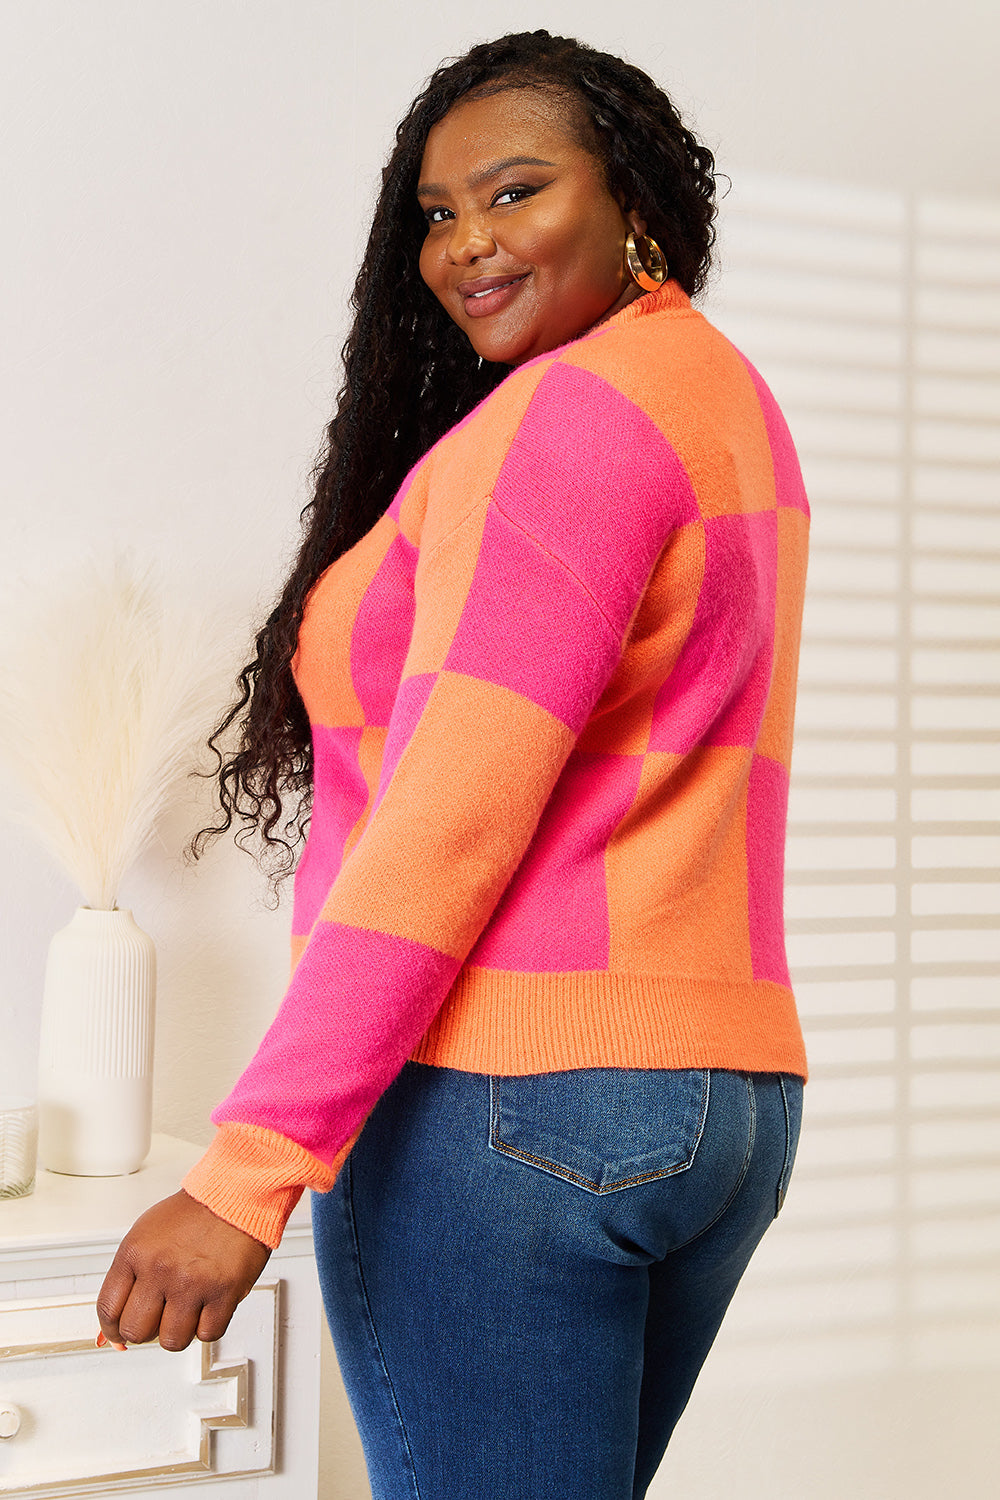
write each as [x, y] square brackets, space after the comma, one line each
[525, 244]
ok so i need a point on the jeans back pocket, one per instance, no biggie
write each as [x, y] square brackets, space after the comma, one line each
[601, 1128]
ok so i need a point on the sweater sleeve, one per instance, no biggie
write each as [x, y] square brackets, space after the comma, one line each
[521, 609]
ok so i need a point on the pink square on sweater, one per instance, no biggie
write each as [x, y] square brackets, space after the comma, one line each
[411, 700]
[380, 638]
[594, 480]
[718, 688]
[767, 803]
[554, 917]
[341, 797]
[342, 1034]
[528, 625]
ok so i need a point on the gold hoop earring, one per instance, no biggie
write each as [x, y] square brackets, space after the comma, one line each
[653, 276]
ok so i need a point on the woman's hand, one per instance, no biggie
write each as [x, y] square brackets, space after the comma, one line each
[178, 1274]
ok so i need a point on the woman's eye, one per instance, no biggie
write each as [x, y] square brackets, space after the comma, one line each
[513, 195]
[436, 215]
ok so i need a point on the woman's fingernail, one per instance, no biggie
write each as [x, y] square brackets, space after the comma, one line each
[119, 1347]
[101, 1341]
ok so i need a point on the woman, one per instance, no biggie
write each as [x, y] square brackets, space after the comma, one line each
[538, 924]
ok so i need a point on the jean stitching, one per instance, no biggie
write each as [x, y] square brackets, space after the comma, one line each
[349, 1200]
[786, 1165]
[559, 1169]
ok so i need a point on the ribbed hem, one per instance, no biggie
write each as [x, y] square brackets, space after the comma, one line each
[253, 1178]
[494, 1021]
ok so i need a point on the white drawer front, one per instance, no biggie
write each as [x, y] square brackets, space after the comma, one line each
[86, 1420]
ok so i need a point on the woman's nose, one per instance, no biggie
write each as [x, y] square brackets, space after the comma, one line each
[470, 240]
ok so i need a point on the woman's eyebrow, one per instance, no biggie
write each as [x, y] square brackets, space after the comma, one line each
[437, 190]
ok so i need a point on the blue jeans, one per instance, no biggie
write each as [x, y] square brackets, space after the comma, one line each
[523, 1276]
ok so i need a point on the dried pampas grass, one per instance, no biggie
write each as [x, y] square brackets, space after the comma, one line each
[108, 689]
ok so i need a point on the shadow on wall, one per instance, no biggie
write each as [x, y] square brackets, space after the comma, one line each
[862, 1354]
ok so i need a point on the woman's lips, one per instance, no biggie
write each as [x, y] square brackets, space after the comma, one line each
[491, 294]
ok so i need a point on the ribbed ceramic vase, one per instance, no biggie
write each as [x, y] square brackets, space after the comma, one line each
[95, 1082]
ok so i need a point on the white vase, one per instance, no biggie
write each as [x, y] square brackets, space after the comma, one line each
[95, 1080]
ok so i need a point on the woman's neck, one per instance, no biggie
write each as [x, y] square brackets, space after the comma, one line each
[630, 293]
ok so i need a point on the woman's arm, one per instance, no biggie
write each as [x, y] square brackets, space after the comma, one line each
[522, 603]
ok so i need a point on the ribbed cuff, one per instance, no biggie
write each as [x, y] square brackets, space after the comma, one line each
[253, 1178]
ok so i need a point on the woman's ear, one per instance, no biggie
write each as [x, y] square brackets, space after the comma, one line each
[632, 217]
[636, 222]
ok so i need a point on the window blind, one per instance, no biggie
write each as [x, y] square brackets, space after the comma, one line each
[875, 318]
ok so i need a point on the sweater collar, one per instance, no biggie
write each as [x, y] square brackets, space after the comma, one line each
[670, 297]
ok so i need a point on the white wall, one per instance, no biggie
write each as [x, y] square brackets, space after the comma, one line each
[185, 189]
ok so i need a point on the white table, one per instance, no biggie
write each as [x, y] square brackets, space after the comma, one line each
[238, 1418]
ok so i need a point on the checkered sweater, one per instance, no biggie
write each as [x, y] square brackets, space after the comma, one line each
[551, 696]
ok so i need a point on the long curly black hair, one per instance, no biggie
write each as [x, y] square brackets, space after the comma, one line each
[410, 375]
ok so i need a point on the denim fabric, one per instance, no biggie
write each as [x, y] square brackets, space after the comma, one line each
[523, 1276]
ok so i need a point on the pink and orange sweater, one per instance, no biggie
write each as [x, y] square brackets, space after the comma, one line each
[551, 694]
